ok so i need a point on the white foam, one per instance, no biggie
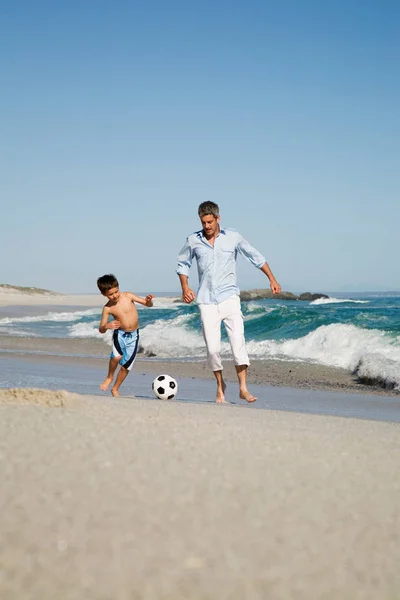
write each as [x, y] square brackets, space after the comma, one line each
[18, 332]
[166, 300]
[339, 345]
[338, 301]
[89, 330]
[378, 369]
[174, 339]
[171, 339]
[60, 317]
[162, 304]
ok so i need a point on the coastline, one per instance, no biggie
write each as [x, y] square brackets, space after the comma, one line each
[268, 372]
[92, 352]
[19, 299]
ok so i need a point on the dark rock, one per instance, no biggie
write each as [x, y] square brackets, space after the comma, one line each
[258, 294]
[148, 353]
[310, 297]
[262, 294]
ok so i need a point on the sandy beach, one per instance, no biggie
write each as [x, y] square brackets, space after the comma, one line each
[10, 298]
[154, 500]
[139, 498]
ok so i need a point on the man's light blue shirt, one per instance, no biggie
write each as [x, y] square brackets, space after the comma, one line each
[216, 265]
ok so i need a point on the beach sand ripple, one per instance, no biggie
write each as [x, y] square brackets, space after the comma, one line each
[49, 398]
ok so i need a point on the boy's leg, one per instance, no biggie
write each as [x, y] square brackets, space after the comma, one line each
[112, 365]
[211, 326]
[233, 321]
[129, 344]
[122, 374]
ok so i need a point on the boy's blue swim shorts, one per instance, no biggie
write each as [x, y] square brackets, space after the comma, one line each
[125, 345]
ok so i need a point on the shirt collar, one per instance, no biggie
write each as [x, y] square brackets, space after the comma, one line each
[200, 233]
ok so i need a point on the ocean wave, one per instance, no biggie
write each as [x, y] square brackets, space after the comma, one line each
[364, 341]
[167, 300]
[89, 330]
[254, 311]
[17, 332]
[259, 308]
[172, 339]
[369, 353]
[163, 304]
[337, 301]
[60, 317]
[376, 369]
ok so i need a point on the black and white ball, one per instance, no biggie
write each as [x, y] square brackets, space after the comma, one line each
[165, 387]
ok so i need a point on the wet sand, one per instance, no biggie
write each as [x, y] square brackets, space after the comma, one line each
[160, 500]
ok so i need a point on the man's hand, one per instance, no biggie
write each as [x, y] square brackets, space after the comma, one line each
[149, 300]
[114, 324]
[275, 287]
[188, 295]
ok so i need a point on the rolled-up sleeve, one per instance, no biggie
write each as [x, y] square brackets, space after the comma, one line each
[185, 258]
[252, 254]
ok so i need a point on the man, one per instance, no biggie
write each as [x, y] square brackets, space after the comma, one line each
[215, 250]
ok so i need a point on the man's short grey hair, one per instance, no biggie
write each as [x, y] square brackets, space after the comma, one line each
[208, 208]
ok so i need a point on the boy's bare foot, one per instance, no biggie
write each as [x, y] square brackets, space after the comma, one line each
[245, 395]
[220, 398]
[115, 393]
[106, 383]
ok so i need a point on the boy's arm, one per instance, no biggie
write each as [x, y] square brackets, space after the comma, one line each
[148, 301]
[104, 325]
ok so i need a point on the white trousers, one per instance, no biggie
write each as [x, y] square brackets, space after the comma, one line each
[230, 313]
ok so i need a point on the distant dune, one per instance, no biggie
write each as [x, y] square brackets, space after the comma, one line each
[18, 289]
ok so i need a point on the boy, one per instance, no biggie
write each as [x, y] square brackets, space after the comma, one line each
[125, 328]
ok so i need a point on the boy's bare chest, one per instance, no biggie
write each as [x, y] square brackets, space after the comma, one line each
[124, 308]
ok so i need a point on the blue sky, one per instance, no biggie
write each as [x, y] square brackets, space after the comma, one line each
[118, 118]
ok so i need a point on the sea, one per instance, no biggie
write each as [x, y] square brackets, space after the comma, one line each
[356, 332]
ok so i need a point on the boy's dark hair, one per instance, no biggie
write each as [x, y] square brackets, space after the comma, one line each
[208, 208]
[106, 282]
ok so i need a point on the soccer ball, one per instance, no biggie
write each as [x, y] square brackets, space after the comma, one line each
[165, 387]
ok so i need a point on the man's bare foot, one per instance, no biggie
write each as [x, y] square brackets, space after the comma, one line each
[115, 393]
[106, 383]
[220, 398]
[245, 395]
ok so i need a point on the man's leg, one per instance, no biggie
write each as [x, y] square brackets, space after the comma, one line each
[244, 393]
[233, 321]
[221, 387]
[112, 365]
[122, 374]
[211, 325]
